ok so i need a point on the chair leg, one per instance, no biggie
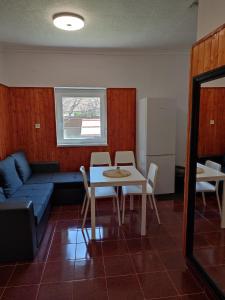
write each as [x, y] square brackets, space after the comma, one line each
[83, 205]
[123, 210]
[114, 205]
[218, 201]
[131, 202]
[118, 210]
[150, 201]
[203, 198]
[85, 214]
[156, 209]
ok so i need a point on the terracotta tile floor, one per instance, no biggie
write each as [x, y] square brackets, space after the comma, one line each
[118, 265]
[209, 240]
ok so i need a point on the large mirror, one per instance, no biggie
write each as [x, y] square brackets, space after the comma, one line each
[206, 222]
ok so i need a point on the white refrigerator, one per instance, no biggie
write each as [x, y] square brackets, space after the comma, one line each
[156, 140]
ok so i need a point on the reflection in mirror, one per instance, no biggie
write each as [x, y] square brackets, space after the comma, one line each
[209, 232]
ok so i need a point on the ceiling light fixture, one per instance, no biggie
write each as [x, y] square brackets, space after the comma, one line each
[68, 21]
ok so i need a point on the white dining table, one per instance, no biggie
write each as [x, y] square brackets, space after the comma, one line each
[97, 179]
[210, 174]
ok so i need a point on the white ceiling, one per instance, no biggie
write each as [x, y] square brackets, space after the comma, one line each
[136, 24]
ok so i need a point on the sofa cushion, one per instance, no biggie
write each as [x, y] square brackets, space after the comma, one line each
[22, 165]
[58, 177]
[39, 194]
[10, 177]
[2, 195]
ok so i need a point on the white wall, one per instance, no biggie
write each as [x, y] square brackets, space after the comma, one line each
[211, 14]
[161, 75]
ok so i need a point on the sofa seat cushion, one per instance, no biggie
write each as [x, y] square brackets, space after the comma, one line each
[22, 165]
[9, 176]
[39, 194]
[57, 178]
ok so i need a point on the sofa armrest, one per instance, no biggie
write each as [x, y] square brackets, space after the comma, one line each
[45, 167]
[17, 231]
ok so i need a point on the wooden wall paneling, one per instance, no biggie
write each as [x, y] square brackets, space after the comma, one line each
[207, 56]
[36, 105]
[201, 57]
[194, 61]
[214, 51]
[211, 137]
[5, 122]
[221, 48]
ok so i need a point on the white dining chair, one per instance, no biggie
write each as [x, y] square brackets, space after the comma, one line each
[136, 190]
[125, 157]
[100, 159]
[207, 187]
[97, 159]
[100, 192]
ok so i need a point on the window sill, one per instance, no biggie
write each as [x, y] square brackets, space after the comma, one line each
[82, 145]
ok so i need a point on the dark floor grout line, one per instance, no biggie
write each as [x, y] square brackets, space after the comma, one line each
[104, 267]
[10, 277]
[45, 263]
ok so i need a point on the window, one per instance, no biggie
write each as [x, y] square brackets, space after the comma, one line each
[81, 116]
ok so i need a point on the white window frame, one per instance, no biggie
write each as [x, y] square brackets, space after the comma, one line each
[61, 92]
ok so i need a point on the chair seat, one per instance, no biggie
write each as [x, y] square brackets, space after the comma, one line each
[103, 192]
[136, 189]
[205, 187]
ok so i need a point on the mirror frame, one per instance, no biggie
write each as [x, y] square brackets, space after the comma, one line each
[193, 148]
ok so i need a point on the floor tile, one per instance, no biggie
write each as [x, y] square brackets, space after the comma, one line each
[58, 271]
[65, 237]
[210, 256]
[124, 287]
[56, 291]
[5, 273]
[62, 252]
[139, 245]
[26, 274]
[157, 285]
[111, 233]
[20, 293]
[66, 225]
[114, 248]
[118, 265]
[184, 282]
[87, 251]
[147, 261]
[194, 297]
[173, 260]
[165, 242]
[89, 268]
[92, 289]
[218, 275]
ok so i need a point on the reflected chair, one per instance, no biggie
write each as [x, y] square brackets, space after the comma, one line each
[207, 187]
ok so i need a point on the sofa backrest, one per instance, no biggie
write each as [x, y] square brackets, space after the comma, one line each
[9, 176]
[22, 165]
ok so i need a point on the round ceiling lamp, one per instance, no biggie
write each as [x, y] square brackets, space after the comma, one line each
[68, 21]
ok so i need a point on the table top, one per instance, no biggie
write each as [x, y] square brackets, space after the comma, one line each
[98, 179]
[209, 174]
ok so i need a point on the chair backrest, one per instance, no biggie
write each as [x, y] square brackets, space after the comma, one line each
[100, 158]
[152, 174]
[215, 166]
[83, 172]
[125, 157]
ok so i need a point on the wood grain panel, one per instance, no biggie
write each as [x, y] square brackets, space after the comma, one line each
[5, 123]
[36, 105]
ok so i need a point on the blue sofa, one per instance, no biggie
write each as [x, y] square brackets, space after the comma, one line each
[25, 202]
